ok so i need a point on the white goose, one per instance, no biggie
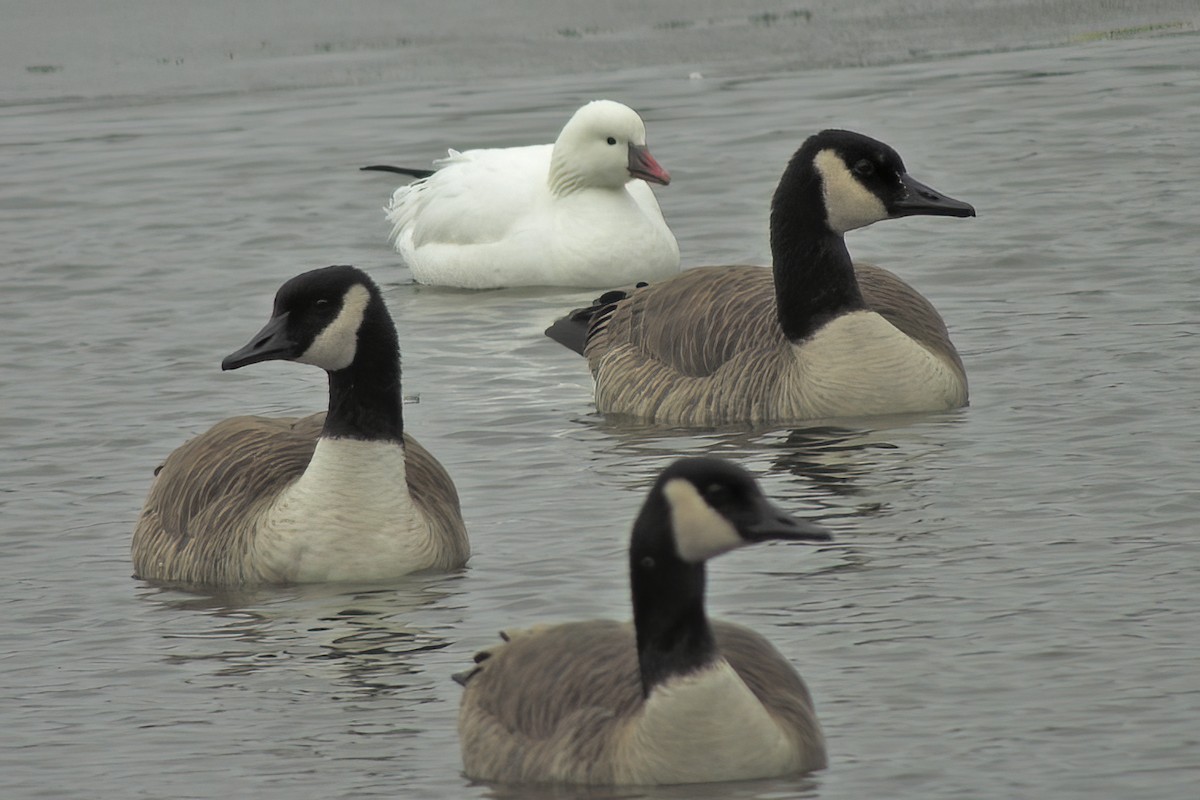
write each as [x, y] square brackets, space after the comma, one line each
[343, 496]
[672, 698]
[576, 213]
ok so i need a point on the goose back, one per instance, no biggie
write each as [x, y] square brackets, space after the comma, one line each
[199, 522]
[591, 698]
[705, 347]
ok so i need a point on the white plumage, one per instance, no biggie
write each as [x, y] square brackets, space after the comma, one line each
[576, 213]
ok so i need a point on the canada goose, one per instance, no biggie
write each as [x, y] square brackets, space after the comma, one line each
[343, 496]
[671, 698]
[814, 337]
[575, 213]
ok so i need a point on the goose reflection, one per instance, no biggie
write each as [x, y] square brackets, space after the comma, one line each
[361, 638]
[832, 459]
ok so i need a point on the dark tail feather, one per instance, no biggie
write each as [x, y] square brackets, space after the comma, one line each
[461, 678]
[412, 171]
[572, 330]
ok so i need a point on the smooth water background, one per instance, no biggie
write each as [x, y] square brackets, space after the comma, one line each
[1011, 609]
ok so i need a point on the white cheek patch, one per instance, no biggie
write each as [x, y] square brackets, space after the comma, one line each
[848, 204]
[700, 532]
[335, 347]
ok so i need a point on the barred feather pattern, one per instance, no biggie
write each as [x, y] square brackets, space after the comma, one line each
[706, 348]
[199, 522]
[559, 704]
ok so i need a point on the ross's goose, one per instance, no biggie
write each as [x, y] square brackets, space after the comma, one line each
[576, 213]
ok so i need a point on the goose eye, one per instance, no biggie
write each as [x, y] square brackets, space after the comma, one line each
[611, 140]
[321, 303]
[864, 168]
[717, 494]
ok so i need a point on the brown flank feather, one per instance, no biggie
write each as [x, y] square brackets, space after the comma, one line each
[591, 690]
[673, 362]
[197, 525]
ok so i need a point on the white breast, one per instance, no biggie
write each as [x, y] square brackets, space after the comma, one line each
[349, 517]
[703, 727]
[861, 365]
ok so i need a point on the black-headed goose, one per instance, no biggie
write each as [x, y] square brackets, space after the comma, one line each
[813, 337]
[343, 496]
[672, 698]
[576, 213]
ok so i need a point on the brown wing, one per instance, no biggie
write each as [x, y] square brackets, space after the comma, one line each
[195, 525]
[434, 495]
[701, 348]
[775, 683]
[547, 703]
[705, 347]
[907, 309]
[694, 322]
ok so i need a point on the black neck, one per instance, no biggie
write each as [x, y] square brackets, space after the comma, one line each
[364, 398]
[814, 276]
[673, 633]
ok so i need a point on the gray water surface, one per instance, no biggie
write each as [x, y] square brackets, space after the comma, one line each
[1011, 609]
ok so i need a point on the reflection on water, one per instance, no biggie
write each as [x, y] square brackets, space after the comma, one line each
[364, 637]
[830, 459]
[830, 467]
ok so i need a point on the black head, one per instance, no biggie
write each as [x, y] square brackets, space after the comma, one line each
[860, 180]
[713, 506]
[698, 508]
[317, 319]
